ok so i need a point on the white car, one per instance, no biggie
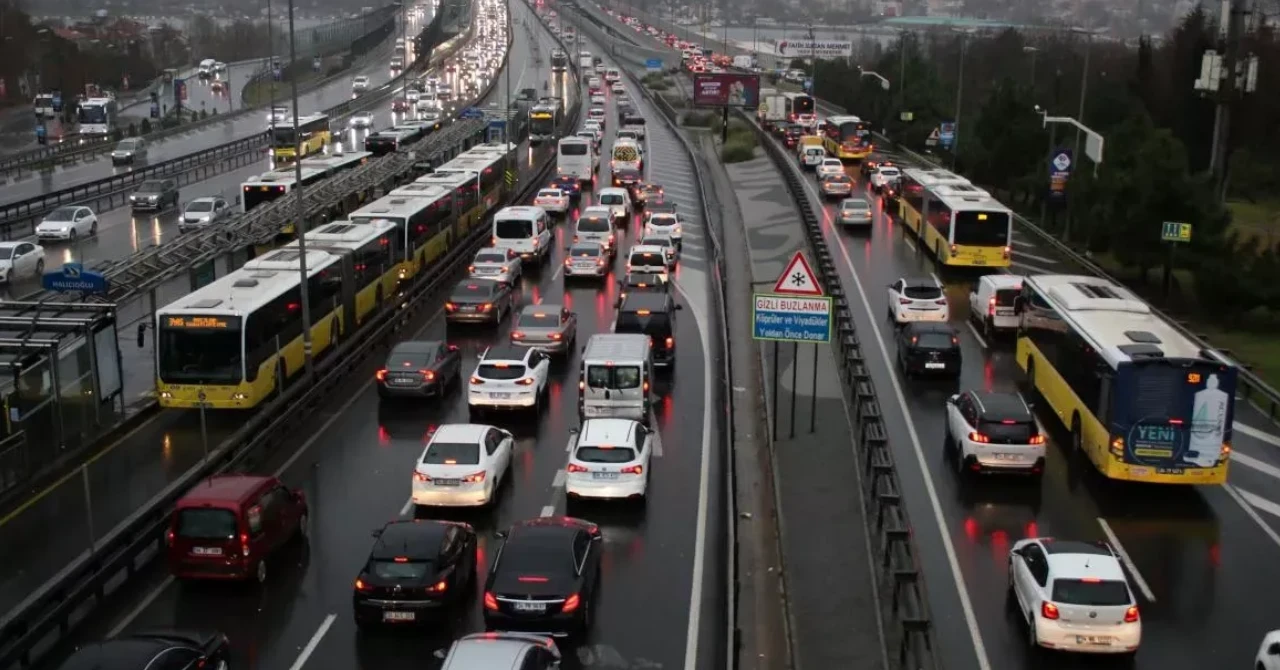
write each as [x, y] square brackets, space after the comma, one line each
[596, 128]
[412, 95]
[19, 260]
[68, 223]
[361, 120]
[462, 466]
[1074, 596]
[619, 202]
[360, 84]
[618, 87]
[609, 460]
[586, 259]
[278, 115]
[598, 99]
[509, 377]
[917, 299]
[663, 223]
[990, 431]
[1269, 652]
[596, 114]
[829, 167]
[670, 252]
[884, 176]
[202, 212]
[553, 200]
[501, 265]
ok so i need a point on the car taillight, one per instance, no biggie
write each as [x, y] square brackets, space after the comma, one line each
[568, 262]
[449, 307]
[1049, 610]
[527, 381]
[904, 301]
[953, 250]
[439, 587]
[575, 238]
[361, 586]
[490, 602]
[517, 335]
[1006, 252]
[573, 467]
[428, 375]
[1131, 614]
[244, 544]
[1036, 439]
[168, 538]
[633, 470]
[991, 306]
[671, 342]
[555, 336]
[420, 476]
[381, 375]
[486, 307]
[979, 437]
[476, 380]
[471, 268]
[570, 604]
[474, 478]
[493, 240]
[600, 263]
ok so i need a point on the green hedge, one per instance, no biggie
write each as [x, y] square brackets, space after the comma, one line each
[736, 150]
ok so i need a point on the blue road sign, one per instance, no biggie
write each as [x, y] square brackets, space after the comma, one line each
[947, 133]
[179, 91]
[808, 85]
[1059, 173]
[471, 113]
[73, 277]
[653, 64]
[782, 318]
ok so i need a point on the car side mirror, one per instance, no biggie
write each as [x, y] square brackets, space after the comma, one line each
[500, 534]
[377, 533]
[952, 400]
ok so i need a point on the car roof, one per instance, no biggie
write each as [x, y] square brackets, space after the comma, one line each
[1002, 405]
[476, 281]
[415, 347]
[498, 654]
[124, 652]
[1071, 559]
[650, 300]
[459, 432]
[220, 489]
[415, 539]
[617, 189]
[505, 352]
[9, 244]
[606, 431]
[1004, 280]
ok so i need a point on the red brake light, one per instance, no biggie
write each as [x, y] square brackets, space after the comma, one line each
[555, 336]
[979, 437]
[633, 470]
[600, 263]
[490, 603]
[904, 301]
[439, 587]
[574, 467]
[517, 335]
[486, 307]
[991, 306]
[244, 544]
[1036, 439]
[1049, 610]
[421, 477]
[449, 307]
[527, 381]
[1131, 614]
[531, 579]
[361, 586]
[942, 302]
[1006, 252]
[671, 342]
[1175, 422]
[381, 374]
[474, 478]
[476, 380]
[1091, 580]
[471, 268]
[570, 604]
[428, 375]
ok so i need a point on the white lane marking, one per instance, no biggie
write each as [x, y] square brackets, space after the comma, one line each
[573, 439]
[1252, 513]
[657, 438]
[1128, 562]
[548, 511]
[1257, 434]
[1042, 259]
[314, 642]
[1022, 243]
[559, 271]
[935, 278]
[909, 244]
[1255, 464]
[962, 589]
[558, 481]
[408, 505]
[976, 334]
[137, 611]
[1261, 503]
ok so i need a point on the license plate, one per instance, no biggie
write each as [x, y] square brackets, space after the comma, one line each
[529, 607]
[1008, 457]
[593, 411]
[404, 382]
[979, 261]
[486, 271]
[935, 366]
[604, 475]
[399, 616]
[207, 551]
[447, 482]
[1101, 640]
[1140, 472]
[466, 308]
[500, 396]
[1004, 312]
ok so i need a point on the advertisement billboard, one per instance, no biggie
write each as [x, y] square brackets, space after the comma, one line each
[726, 88]
[815, 48]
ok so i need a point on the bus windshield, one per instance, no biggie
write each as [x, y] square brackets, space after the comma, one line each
[542, 123]
[981, 229]
[201, 355]
[93, 114]
[283, 136]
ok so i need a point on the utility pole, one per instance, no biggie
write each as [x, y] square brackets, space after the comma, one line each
[299, 208]
[955, 134]
[1237, 77]
[902, 72]
[271, 69]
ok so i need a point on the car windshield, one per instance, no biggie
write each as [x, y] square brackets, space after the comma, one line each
[922, 292]
[540, 320]
[663, 221]
[491, 257]
[1090, 592]
[855, 203]
[399, 570]
[500, 371]
[839, 179]
[604, 454]
[61, 214]
[616, 377]
[933, 341]
[611, 199]
[127, 144]
[573, 149]
[452, 453]
[151, 186]
[592, 224]
[200, 206]
[206, 524]
[889, 172]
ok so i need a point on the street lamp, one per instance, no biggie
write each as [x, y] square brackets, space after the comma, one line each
[955, 133]
[1084, 76]
[300, 226]
[884, 83]
[1033, 51]
[1093, 149]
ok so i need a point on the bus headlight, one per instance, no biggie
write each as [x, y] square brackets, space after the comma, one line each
[1117, 447]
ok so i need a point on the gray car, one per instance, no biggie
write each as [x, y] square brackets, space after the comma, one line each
[487, 651]
[501, 265]
[476, 300]
[552, 328]
[129, 151]
[855, 212]
[419, 369]
[202, 212]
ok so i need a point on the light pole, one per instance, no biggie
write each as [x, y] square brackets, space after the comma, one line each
[1033, 51]
[1084, 79]
[955, 133]
[299, 207]
[271, 69]
[1093, 149]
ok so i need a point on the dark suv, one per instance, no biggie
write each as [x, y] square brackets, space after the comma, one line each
[652, 314]
[929, 348]
[155, 195]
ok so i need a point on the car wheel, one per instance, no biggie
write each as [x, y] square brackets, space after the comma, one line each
[987, 329]
[1033, 641]
[304, 527]
[74, 234]
[93, 228]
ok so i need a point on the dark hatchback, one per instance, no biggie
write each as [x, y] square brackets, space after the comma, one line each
[155, 195]
[628, 178]
[165, 650]
[544, 577]
[569, 185]
[929, 348]
[652, 314]
[419, 369]
[476, 300]
[791, 135]
[416, 570]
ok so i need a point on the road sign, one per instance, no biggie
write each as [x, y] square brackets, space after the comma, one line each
[947, 133]
[932, 140]
[179, 91]
[471, 113]
[73, 277]
[510, 177]
[1062, 160]
[798, 279]
[653, 64]
[815, 48]
[1173, 231]
[783, 318]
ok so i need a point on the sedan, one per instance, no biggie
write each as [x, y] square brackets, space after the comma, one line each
[202, 212]
[552, 200]
[666, 224]
[829, 167]
[479, 301]
[551, 328]
[361, 120]
[20, 259]
[855, 211]
[618, 87]
[544, 577]
[500, 265]
[419, 369]
[462, 466]
[569, 185]
[417, 570]
[68, 223]
[586, 259]
[836, 186]
[597, 98]
[193, 649]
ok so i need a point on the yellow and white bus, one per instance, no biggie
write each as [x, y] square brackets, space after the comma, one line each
[271, 185]
[847, 137]
[238, 340]
[424, 220]
[961, 224]
[1141, 401]
[375, 251]
[312, 137]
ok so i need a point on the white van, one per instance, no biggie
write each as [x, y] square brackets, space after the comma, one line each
[575, 157]
[612, 75]
[626, 154]
[647, 258]
[206, 67]
[991, 303]
[524, 230]
[812, 156]
[616, 377]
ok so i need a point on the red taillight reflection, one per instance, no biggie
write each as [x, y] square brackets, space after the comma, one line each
[381, 375]
[490, 602]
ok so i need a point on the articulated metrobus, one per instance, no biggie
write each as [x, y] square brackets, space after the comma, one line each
[312, 137]
[233, 343]
[961, 224]
[271, 185]
[375, 251]
[847, 137]
[1141, 401]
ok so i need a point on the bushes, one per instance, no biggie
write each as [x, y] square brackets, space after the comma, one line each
[700, 119]
[740, 142]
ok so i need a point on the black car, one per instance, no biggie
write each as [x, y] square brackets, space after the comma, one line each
[568, 184]
[419, 369]
[659, 206]
[791, 135]
[476, 300]
[641, 282]
[628, 178]
[648, 192]
[625, 108]
[155, 195]
[417, 570]
[652, 314]
[930, 348]
[544, 577]
[167, 650]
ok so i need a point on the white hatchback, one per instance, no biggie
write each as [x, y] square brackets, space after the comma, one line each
[68, 223]
[552, 200]
[917, 299]
[20, 259]
[462, 465]
[829, 167]
[609, 460]
[509, 377]
[665, 224]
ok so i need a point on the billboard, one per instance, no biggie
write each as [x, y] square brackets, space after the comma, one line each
[815, 48]
[726, 88]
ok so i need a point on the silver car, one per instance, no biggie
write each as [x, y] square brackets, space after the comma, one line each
[586, 259]
[502, 265]
[129, 151]
[361, 120]
[485, 651]
[551, 328]
[202, 212]
[855, 211]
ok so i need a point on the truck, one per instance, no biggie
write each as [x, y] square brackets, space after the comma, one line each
[772, 111]
[585, 63]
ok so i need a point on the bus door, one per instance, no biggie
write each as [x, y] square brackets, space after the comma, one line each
[351, 281]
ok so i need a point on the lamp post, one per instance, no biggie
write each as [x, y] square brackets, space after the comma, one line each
[299, 208]
[1093, 149]
[1032, 51]
[1084, 80]
[955, 133]
[271, 69]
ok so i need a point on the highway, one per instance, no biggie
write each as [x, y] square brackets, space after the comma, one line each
[355, 471]
[207, 136]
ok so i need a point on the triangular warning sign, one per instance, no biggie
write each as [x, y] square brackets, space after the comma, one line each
[936, 134]
[798, 278]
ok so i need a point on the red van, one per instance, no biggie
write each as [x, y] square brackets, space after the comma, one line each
[228, 525]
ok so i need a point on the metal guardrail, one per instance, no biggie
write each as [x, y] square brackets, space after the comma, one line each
[43, 155]
[33, 628]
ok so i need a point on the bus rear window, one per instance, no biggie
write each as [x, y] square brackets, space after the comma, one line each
[1101, 593]
[983, 229]
[573, 149]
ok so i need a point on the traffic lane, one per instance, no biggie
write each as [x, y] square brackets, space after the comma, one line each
[1170, 534]
[223, 92]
